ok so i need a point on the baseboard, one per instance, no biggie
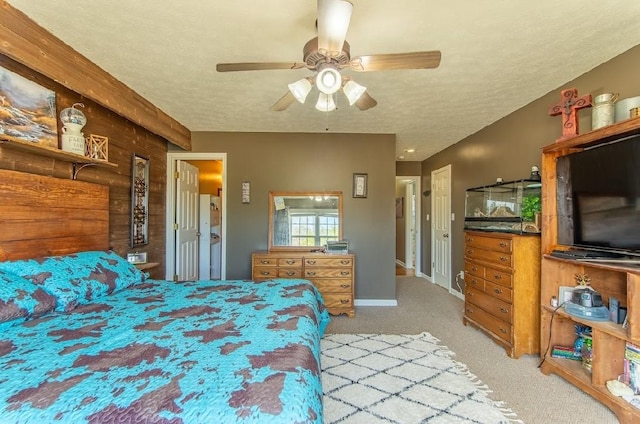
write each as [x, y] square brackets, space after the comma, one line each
[376, 302]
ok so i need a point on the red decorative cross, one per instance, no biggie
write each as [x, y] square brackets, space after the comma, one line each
[568, 107]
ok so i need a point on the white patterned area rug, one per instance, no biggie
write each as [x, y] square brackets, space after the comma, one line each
[403, 379]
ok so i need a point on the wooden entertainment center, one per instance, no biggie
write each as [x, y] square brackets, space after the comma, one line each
[618, 280]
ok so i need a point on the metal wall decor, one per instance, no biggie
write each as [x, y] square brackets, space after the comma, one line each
[139, 201]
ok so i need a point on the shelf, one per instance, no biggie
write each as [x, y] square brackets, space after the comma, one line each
[611, 266]
[608, 327]
[601, 135]
[58, 154]
[146, 266]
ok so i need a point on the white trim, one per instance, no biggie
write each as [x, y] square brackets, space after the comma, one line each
[376, 302]
[172, 157]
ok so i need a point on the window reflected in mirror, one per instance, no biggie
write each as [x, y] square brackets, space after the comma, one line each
[304, 220]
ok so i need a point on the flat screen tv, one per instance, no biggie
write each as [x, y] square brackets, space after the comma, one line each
[601, 192]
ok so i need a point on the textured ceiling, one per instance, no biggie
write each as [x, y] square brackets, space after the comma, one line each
[497, 56]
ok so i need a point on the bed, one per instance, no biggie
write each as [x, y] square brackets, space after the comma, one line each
[86, 337]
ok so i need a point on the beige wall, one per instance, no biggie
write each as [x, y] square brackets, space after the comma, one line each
[307, 162]
[509, 147]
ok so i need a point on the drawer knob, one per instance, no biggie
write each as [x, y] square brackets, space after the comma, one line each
[345, 262]
[497, 276]
[265, 273]
[469, 310]
[469, 251]
[503, 331]
[311, 262]
[345, 273]
[344, 301]
[498, 291]
[504, 258]
[311, 273]
[290, 273]
[470, 294]
[474, 282]
[265, 261]
[345, 286]
[469, 240]
[474, 268]
[504, 311]
[503, 244]
[290, 262]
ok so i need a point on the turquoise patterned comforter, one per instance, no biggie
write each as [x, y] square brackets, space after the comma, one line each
[165, 352]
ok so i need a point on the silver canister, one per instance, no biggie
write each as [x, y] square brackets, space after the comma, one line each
[603, 111]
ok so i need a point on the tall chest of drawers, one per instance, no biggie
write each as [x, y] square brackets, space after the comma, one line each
[333, 275]
[502, 289]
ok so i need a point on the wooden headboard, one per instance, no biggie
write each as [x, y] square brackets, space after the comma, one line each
[43, 216]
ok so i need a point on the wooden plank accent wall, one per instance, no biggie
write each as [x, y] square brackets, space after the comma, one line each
[125, 138]
[44, 216]
[26, 42]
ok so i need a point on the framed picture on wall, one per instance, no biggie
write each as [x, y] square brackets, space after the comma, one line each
[139, 200]
[29, 111]
[359, 185]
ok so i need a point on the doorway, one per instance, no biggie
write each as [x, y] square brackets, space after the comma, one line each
[441, 227]
[173, 159]
[410, 189]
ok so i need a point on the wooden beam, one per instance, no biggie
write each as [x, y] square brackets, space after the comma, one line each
[24, 41]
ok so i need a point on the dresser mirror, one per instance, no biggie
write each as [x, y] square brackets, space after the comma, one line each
[304, 221]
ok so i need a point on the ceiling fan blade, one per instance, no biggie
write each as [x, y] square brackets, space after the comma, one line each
[333, 23]
[258, 66]
[365, 102]
[392, 61]
[284, 102]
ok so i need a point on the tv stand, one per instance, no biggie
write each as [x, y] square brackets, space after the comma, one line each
[617, 277]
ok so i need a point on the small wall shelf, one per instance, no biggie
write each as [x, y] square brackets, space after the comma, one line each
[146, 266]
[78, 161]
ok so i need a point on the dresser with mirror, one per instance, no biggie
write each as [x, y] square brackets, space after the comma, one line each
[300, 225]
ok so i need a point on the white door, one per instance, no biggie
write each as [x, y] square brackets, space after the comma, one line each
[441, 226]
[187, 204]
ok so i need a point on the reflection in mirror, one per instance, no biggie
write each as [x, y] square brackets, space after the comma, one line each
[304, 220]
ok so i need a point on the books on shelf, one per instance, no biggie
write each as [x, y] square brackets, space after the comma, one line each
[631, 374]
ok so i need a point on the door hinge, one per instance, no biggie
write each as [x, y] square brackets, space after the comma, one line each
[175, 227]
[175, 277]
[176, 175]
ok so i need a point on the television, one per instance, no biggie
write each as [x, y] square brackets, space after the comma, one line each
[599, 198]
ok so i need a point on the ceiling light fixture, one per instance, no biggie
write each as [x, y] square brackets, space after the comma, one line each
[410, 151]
[325, 103]
[353, 91]
[329, 80]
[300, 89]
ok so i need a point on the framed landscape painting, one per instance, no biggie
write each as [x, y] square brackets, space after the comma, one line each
[27, 111]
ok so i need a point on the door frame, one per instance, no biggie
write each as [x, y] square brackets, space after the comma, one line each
[409, 260]
[434, 210]
[170, 242]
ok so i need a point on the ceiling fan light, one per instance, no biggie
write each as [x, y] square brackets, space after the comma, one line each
[353, 91]
[325, 103]
[300, 89]
[333, 23]
[328, 80]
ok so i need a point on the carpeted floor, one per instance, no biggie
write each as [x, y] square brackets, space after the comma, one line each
[401, 379]
[426, 307]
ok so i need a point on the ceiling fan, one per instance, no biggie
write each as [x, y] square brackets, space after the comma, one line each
[328, 54]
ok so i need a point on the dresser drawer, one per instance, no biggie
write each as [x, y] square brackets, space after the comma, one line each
[337, 300]
[496, 326]
[290, 262]
[328, 262]
[265, 272]
[473, 269]
[498, 277]
[289, 272]
[473, 281]
[495, 307]
[329, 285]
[327, 272]
[500, 258]
[265, 261]
[499, 292]
[488, 243]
